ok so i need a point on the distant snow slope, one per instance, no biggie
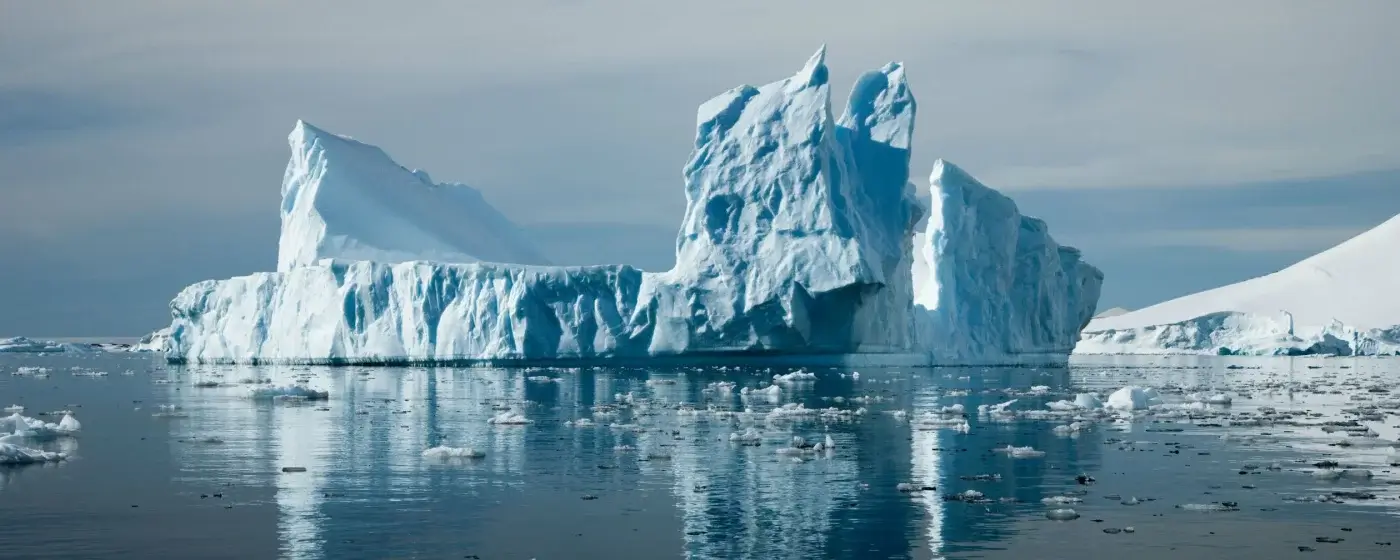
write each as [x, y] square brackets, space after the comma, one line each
[342, 199]
[1341, 298]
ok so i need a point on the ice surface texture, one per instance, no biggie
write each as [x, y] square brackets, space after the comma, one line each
[798, 239]
[1335, 302]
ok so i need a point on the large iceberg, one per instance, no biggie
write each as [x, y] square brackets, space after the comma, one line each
[798, 243]
[1338, 301]
[343, 199]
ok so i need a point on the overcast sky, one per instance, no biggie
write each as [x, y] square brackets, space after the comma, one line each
[1181, 144]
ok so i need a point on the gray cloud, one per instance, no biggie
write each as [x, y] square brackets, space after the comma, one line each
[115, 117]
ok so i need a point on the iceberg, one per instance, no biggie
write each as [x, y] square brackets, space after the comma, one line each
[798, 244]
[343, 199]
[155, 341]
[1336, 302]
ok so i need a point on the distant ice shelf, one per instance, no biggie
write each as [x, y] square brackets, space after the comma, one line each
[802, 241]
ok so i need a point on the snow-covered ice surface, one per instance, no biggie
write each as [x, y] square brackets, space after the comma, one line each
[156, 341]
[1339, 301]
[343, 199]
[1257, 454]
[20, 344]
[802, 240]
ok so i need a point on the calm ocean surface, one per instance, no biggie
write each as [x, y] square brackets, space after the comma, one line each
[179, 462]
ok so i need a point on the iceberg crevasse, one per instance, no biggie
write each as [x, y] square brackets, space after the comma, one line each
[797, 241]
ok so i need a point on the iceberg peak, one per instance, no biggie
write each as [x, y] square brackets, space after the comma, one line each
[813, 73]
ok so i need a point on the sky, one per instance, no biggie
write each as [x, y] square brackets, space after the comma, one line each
[1181, 145]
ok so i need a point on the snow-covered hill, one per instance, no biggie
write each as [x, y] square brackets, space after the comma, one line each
[1337, 301]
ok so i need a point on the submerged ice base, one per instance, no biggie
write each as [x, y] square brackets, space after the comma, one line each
[798, 245]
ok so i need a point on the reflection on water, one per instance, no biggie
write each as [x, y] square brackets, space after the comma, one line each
[654, 472]
[731, 500]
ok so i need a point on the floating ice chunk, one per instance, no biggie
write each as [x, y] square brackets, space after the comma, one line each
[905, 487]
[1088, 401]
[580, 423]
[14, 409]
[723, 387]
[995, 408]
[953, 409]
[23, 427]
[772, 393]
[1327, 474]
[11, 454]
[294, 391]
[749, 436]
[798, 376]
[69, 424]
[1217, 398]
[1212, 507]
[1060, 500]
[542, 379]
[1021, 452]
[1133, 398]
[1040, 389]
[1062, 514]
[1068, 429]
[443, 452]
[509, 418]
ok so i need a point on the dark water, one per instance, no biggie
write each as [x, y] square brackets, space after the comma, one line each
[652, 479]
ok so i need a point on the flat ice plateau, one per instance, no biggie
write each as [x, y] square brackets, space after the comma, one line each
[1339, 302]
[803, 240]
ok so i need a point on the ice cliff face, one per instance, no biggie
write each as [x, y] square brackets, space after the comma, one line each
[343, 199]
[993, 282]
[797, 241]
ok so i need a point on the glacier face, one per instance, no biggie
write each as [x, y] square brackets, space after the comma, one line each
[1335, 302]
[798, 240]
[343, 199]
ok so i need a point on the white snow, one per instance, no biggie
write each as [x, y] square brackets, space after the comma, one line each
[802, 236]
[509, 418]
[343, 199]
[1339, 301]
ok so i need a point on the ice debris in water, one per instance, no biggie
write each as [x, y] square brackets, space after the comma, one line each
[771, 392]
[11, 454]
[14, 409]
[443, 452]
[749, 436]
[795, 377]
[1021, 452]
[1133, 398]
[509, 418]
[1060, 500]
[1217, 398]
[17, 427]
[292, 391]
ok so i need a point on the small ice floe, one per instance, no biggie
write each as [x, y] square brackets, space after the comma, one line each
[1060, 500]
[580, 423]
[169, 411]
[1133, 398]
[33, 371]
[749, 436]
[1021, 452]
[443, 452]
[509, 418]
[771, 392]
[301, 392]
[995, 409]
[1062, 514]
[1040, 389]
[540, 379]
[952, 410]
[89, 373]
[1211, 507]
[798, 376]
[11, 454]
[966, 496]
[1205, 398]
[660, 382]
[905, 487]
[721, 387]
[623, 448]
[898, 414]
[14, 409]
[17, 427]
[1069, 429]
